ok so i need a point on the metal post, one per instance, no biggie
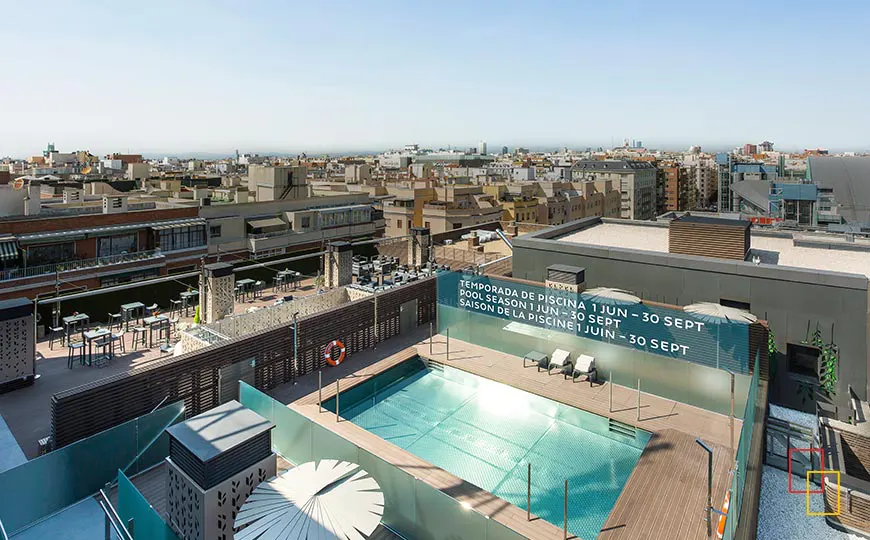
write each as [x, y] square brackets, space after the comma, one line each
[709, 505]
[731, 419]
[529, 493]
[295, 347]
[375, 346]
[638, 400]
[319, 391]
[430, 337]
[448, 344]
[565, 525]
[336, 400]
[611, 392]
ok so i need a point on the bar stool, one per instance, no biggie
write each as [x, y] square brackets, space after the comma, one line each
[75, 348]
[103, 347]
[118, 337]
[115, 319]
[175, 307]
[57, 334]
[140, 335]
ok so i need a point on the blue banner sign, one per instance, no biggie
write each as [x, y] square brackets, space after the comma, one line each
[668, 332]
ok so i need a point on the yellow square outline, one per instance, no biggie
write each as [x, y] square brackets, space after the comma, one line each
[835, 473]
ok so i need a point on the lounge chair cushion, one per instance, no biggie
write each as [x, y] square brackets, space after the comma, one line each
[584, 363]
[559, 358]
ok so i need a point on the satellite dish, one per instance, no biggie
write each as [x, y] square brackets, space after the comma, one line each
[86, 170]
[18, 183]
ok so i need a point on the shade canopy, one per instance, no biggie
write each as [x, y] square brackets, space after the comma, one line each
[713, 312]
[608, 295]
[316, 500]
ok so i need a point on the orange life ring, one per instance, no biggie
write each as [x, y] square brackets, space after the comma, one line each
[720, 531]
[328, 353]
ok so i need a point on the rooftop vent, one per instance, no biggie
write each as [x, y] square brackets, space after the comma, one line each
[709, 237]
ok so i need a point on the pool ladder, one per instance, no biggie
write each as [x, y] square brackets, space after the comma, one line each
[615, 426]
[436, 366]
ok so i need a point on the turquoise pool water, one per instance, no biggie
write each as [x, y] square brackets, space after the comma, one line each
[486, 433]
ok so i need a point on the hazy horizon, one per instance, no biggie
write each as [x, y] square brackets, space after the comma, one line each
[274, 77]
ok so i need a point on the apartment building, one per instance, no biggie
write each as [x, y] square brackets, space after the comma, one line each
[259, 230]
[278, 183]
[92, 250]
[636, 181]
[439, 208]
[679, 188]
[519, 202]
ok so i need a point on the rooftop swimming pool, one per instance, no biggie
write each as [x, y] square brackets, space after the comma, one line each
[486, 433]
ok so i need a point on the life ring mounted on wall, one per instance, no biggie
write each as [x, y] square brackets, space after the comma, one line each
[328, 353]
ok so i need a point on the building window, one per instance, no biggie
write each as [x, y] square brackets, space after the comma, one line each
[426, 224]
[803, 360]
[116, 245]
[399, 223]
[457, 226]
[181, 238]
[214, 231]
[53, 253]
[306, 222]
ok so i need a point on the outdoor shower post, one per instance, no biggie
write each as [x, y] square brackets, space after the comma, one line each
[337, 392]
[709, 506]
[611, 392]
[319, 391]
[638, 400]
[448, 344]
[731, 419]
[430, 338]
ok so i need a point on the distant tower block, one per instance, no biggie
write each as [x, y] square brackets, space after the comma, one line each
[338, 264]
[419, 246]
[217, 292]
[566, 278]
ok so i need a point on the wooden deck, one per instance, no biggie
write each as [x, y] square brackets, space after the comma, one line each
[664, 495]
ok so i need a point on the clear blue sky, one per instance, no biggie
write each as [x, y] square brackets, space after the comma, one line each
[213, 76]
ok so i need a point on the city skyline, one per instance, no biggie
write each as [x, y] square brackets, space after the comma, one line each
[207, 78]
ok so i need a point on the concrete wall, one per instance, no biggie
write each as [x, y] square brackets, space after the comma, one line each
[789, 298]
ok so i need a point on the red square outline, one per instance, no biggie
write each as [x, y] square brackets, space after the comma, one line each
[822, 466]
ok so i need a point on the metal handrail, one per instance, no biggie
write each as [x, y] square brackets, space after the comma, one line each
[114, 518]
[3, 534]
[67, 266]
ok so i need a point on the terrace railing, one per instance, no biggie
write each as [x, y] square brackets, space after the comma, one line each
[739, 469]
[42, 486]
[80, 264]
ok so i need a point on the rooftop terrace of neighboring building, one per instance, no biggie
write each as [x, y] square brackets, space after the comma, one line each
[820, 252]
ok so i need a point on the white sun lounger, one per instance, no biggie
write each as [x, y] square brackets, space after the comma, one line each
[559, 359]
[585, 365]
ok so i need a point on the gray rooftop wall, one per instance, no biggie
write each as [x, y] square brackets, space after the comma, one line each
[789, 298]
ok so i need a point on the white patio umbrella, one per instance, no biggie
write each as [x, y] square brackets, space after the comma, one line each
[717, 313]
[316, 500]
[714, 312]
[609, 295]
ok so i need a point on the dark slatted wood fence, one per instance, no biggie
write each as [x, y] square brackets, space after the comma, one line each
[83, 411]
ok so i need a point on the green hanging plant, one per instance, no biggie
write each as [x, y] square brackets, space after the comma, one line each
[196, 315]
[772, 352]
[828, 363]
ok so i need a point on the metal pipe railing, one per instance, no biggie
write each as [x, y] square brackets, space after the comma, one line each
[3, 534]
[80, 264]
[113, 519]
